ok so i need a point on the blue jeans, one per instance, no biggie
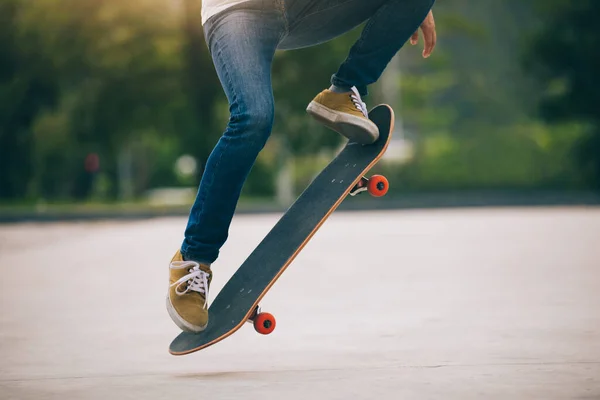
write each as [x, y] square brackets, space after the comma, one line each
[242, 41]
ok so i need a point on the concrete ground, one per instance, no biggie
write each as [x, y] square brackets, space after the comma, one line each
[438, 304]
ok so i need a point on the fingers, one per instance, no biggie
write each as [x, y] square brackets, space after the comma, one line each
[414, 39]
[429, 34]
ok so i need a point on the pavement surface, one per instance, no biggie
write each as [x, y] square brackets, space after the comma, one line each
[436, 304]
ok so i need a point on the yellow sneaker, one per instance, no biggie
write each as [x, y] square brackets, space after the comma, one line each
[346, 114]
[188, 290]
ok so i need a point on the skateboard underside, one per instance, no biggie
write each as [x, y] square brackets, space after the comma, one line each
[239, 298]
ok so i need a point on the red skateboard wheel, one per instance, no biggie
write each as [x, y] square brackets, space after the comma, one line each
[264, 323]
[378, 186]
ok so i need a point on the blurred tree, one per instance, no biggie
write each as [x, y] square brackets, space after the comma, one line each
[27, 86]
[134, 83]
[470, 108]
[472, 77]
[564, 55]
[119, 74]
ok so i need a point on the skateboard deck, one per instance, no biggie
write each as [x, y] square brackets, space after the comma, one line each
[238, 300]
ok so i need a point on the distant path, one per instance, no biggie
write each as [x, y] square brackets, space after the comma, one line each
[393, 201]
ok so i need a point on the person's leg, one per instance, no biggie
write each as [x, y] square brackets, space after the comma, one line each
[386, 32]
[242, 42]
[390, 23]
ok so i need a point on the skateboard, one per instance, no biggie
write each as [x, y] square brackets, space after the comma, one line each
[238, 301]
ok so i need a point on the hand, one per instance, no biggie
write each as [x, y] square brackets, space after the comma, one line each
[429, 35]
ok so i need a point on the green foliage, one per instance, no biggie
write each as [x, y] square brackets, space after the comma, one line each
[27, 85]
[134, 83]
[565, 59]
[526, 156]
[471, 110]
[115, 72]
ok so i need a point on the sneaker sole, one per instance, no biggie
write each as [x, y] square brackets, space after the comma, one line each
[180, 322]
[359, 130]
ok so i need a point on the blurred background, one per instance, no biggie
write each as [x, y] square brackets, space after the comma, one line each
[105, 103]
[110, 108]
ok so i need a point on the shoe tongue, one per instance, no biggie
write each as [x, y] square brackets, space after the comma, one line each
[206, 268]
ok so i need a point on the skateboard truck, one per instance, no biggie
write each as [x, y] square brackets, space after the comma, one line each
[264, 323]
[377, 186]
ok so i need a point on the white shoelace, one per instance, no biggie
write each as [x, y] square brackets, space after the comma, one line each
[358, 103]
[196, 280]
